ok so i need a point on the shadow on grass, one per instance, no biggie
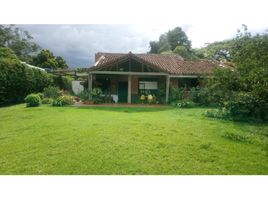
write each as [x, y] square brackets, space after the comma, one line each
[127, 109]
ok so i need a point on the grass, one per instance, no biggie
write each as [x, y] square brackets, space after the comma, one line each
[71, 140]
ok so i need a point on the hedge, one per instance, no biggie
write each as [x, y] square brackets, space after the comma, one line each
[18, 80]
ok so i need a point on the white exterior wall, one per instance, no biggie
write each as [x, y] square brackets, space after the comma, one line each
[77, 87]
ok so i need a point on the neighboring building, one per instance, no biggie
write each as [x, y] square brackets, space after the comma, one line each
[129, 75]
[31, 66]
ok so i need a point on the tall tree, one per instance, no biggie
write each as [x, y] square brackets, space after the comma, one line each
[177, 37]
[164, 45]
[20, 41]
[243, 91]
[216, 51]
[154, 47]
[61, 62]
[174, 41]
[46, 59]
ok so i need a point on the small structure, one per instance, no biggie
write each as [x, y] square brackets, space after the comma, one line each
[129, 75]
[31, 66]
[77, 88]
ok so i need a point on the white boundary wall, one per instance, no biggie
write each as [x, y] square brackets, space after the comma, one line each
[77, 87]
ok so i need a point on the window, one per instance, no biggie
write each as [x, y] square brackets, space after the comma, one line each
[148, 85]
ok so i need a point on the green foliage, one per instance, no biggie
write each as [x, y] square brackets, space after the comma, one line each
[217, 113]
[185, 104]
[243, 91]
[32, 100]
[64, 100]
[184, 52]
[17, 80]
[46, 59]
[177, 37]
[236, 137]
[163, 44]
[41, 95]
[18, 40]
[219, 51]
[136, 140]
[61, 63]
[96, 95]
[52, 92]
[47, 101]
[176, 93]
[84, 95]
[154, 45]
[63, 82]
[169, 41]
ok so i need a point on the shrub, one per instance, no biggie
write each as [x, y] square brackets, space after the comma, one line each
[17, 79]
[52, 92]
[177, 94]
[96, 96]
[64, 100]
[63, 82]
[185, 104]
[33, 100]
[47, 101]
[244, 105]
[236, 137]
[84, 95]
[41, 95]
[218, 113]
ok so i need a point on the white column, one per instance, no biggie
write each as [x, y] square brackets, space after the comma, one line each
[167, 88]
[129, 90]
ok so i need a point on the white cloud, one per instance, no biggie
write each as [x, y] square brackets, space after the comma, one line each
[203, 21]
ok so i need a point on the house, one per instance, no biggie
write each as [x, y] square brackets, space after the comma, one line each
[31, 66]
[127, 76]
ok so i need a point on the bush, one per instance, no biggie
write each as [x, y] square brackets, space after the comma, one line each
[17, 79]
[244, 105]
[218, 113]
[64, 100]
[177, 94]
[96, 96]
[47, 101]
[185, 104]
[33, 100]
[63, 82]
[236, 137]
[41, 95]
[52, 92]
[84, 95]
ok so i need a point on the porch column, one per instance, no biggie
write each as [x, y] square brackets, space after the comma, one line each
[129, 90]
[167, 88]
[89, 85]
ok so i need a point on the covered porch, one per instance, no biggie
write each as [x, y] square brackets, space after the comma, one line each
[127, 87]
[127, 77]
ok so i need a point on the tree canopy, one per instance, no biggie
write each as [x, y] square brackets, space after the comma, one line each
[177, 37]
[46, 59]
[22, 45]
[170, 40]
[20, 41]
[243, 91]
[174, 41]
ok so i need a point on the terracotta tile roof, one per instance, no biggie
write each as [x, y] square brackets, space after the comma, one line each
[169, 63]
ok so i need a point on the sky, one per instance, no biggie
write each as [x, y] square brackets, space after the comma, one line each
[82, 29]
[77, 44]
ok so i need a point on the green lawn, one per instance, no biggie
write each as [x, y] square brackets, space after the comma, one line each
[71, 140]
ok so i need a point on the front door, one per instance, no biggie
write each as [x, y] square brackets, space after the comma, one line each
[122, 92]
